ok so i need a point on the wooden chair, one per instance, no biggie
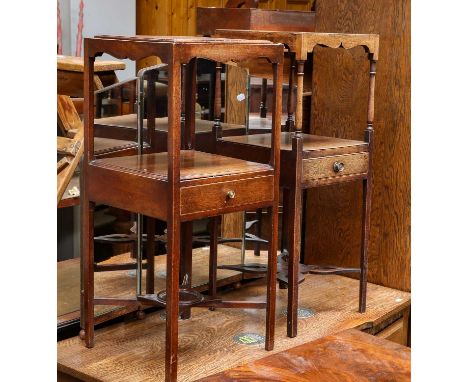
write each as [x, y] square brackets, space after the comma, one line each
[179, 185]
[310, 160]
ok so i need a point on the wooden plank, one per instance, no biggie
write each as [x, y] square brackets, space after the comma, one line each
[347, 356]
[340, 93]
[64, 176]
[66, 146]
[76, 64]
[134, 351]
[68, 118]
[71, 196]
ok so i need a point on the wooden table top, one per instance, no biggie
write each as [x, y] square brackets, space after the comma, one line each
[131, 120]
[76, 64]
[193, 165]
[348, 356]
[310, 142]
[304, 42]
[187, 40]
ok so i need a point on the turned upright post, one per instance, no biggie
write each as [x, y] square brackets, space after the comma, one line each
[367, 187]
[299, 96]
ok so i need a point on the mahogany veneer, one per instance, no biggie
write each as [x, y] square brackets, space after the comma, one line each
[205, 181]
[309, 160]
[210, 19]
[180, 184]
[347, 356]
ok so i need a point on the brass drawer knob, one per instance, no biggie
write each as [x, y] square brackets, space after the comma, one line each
[338, 167]
[231, 194]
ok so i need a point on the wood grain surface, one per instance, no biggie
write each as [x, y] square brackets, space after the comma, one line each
[134, 351]
[303, 43]
[347, 356]
[310, 142]
[179, 18]
[339, 109]
[193, 165]
[236, 113]
[76, 64]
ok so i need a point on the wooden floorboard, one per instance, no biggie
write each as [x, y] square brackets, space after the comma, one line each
[122, 283]
[134, 350]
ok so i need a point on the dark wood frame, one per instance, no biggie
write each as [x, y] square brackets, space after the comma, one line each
[298, 163]
[97, 177]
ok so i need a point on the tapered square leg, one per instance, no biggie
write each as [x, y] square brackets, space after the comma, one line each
[294, 245]
[213, 274]
[172, 301]
[365, 244]
[87, 263]
[271, 280]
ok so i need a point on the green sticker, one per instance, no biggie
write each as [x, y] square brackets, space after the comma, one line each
[249, 338]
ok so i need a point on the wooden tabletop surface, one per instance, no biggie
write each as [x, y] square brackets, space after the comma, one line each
[347, 356]
[134, 350]
[187, 40]
[310, 142]
[304, 42]
[193, 165]
[76, 64]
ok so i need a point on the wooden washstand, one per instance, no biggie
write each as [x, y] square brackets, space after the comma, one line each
[179, 185]
[312, 161]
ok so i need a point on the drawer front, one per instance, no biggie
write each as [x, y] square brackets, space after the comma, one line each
[226, 195]
[335, 166]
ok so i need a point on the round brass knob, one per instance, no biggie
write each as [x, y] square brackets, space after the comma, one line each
[231, 194]
[338, 166]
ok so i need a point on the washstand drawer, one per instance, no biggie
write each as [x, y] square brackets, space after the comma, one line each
[335, 166]
[225, 195]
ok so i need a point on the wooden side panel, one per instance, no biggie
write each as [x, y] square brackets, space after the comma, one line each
[340, 88]
[236, 83]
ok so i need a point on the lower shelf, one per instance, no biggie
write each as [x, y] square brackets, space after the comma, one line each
[122, 283]
[186, 298]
